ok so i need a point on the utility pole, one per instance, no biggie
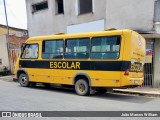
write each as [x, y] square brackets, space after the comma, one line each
[7, 32]
[6, 18]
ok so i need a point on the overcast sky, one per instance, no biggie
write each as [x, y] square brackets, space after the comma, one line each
[16, 10]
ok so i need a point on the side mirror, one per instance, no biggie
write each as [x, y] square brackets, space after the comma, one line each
[22, 47]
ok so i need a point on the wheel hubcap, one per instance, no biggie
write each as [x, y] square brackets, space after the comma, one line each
[23, 80]
[82, 87]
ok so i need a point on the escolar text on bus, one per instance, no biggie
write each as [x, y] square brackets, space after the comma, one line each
[65, 65]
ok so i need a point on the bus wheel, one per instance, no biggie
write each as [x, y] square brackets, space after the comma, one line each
[23, 80]
[82, 88]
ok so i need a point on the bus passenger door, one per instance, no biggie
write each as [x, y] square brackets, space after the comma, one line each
[28, 61]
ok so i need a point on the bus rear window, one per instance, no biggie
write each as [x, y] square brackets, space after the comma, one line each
[105, 47]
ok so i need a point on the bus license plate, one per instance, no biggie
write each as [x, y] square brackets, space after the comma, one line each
[136, 81]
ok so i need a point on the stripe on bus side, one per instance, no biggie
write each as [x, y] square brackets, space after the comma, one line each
[77, 65]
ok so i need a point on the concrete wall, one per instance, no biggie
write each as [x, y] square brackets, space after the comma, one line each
[3, 51]
[132, 14]
[156, 81]
[46, 22]
[39, 23]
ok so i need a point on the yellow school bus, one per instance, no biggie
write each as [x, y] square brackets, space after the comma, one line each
[94, 61]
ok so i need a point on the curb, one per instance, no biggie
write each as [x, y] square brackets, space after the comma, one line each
[137, 93]
[120, 91]
[8, 78]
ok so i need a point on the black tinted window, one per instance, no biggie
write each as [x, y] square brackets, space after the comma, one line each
[77, 48]
[52, 49]
[105, 47]
[39, 6]
[85, 6]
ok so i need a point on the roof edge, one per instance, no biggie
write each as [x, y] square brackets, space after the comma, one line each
[14, 27]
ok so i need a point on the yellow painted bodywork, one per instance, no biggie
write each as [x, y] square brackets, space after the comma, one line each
[130, 49]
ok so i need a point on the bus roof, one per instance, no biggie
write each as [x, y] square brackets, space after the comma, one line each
[87, 34]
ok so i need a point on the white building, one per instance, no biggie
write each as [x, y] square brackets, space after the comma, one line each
[47, 17]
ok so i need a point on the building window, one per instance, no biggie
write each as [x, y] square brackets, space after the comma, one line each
[30, 51]
[85, 6]
[77, 48]
[39, 6]
[52, 49]
[59, 7]
[105, 47]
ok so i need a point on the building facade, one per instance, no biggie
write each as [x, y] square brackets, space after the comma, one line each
[10, 46]
[47, 17]
[12, 30]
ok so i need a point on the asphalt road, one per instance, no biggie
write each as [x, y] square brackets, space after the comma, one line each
[13, 97]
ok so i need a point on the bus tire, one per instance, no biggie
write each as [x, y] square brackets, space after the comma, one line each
[24, 80]
[82, 88]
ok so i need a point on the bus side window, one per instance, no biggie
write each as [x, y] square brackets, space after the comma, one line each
[77, 48]
[30, 51]
[110, 55]
[105, 47]
[52, 49]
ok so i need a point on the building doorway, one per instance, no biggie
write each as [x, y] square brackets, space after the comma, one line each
[148, 67]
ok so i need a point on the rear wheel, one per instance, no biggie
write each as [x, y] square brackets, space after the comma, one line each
[24, 80]
[82, 88]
